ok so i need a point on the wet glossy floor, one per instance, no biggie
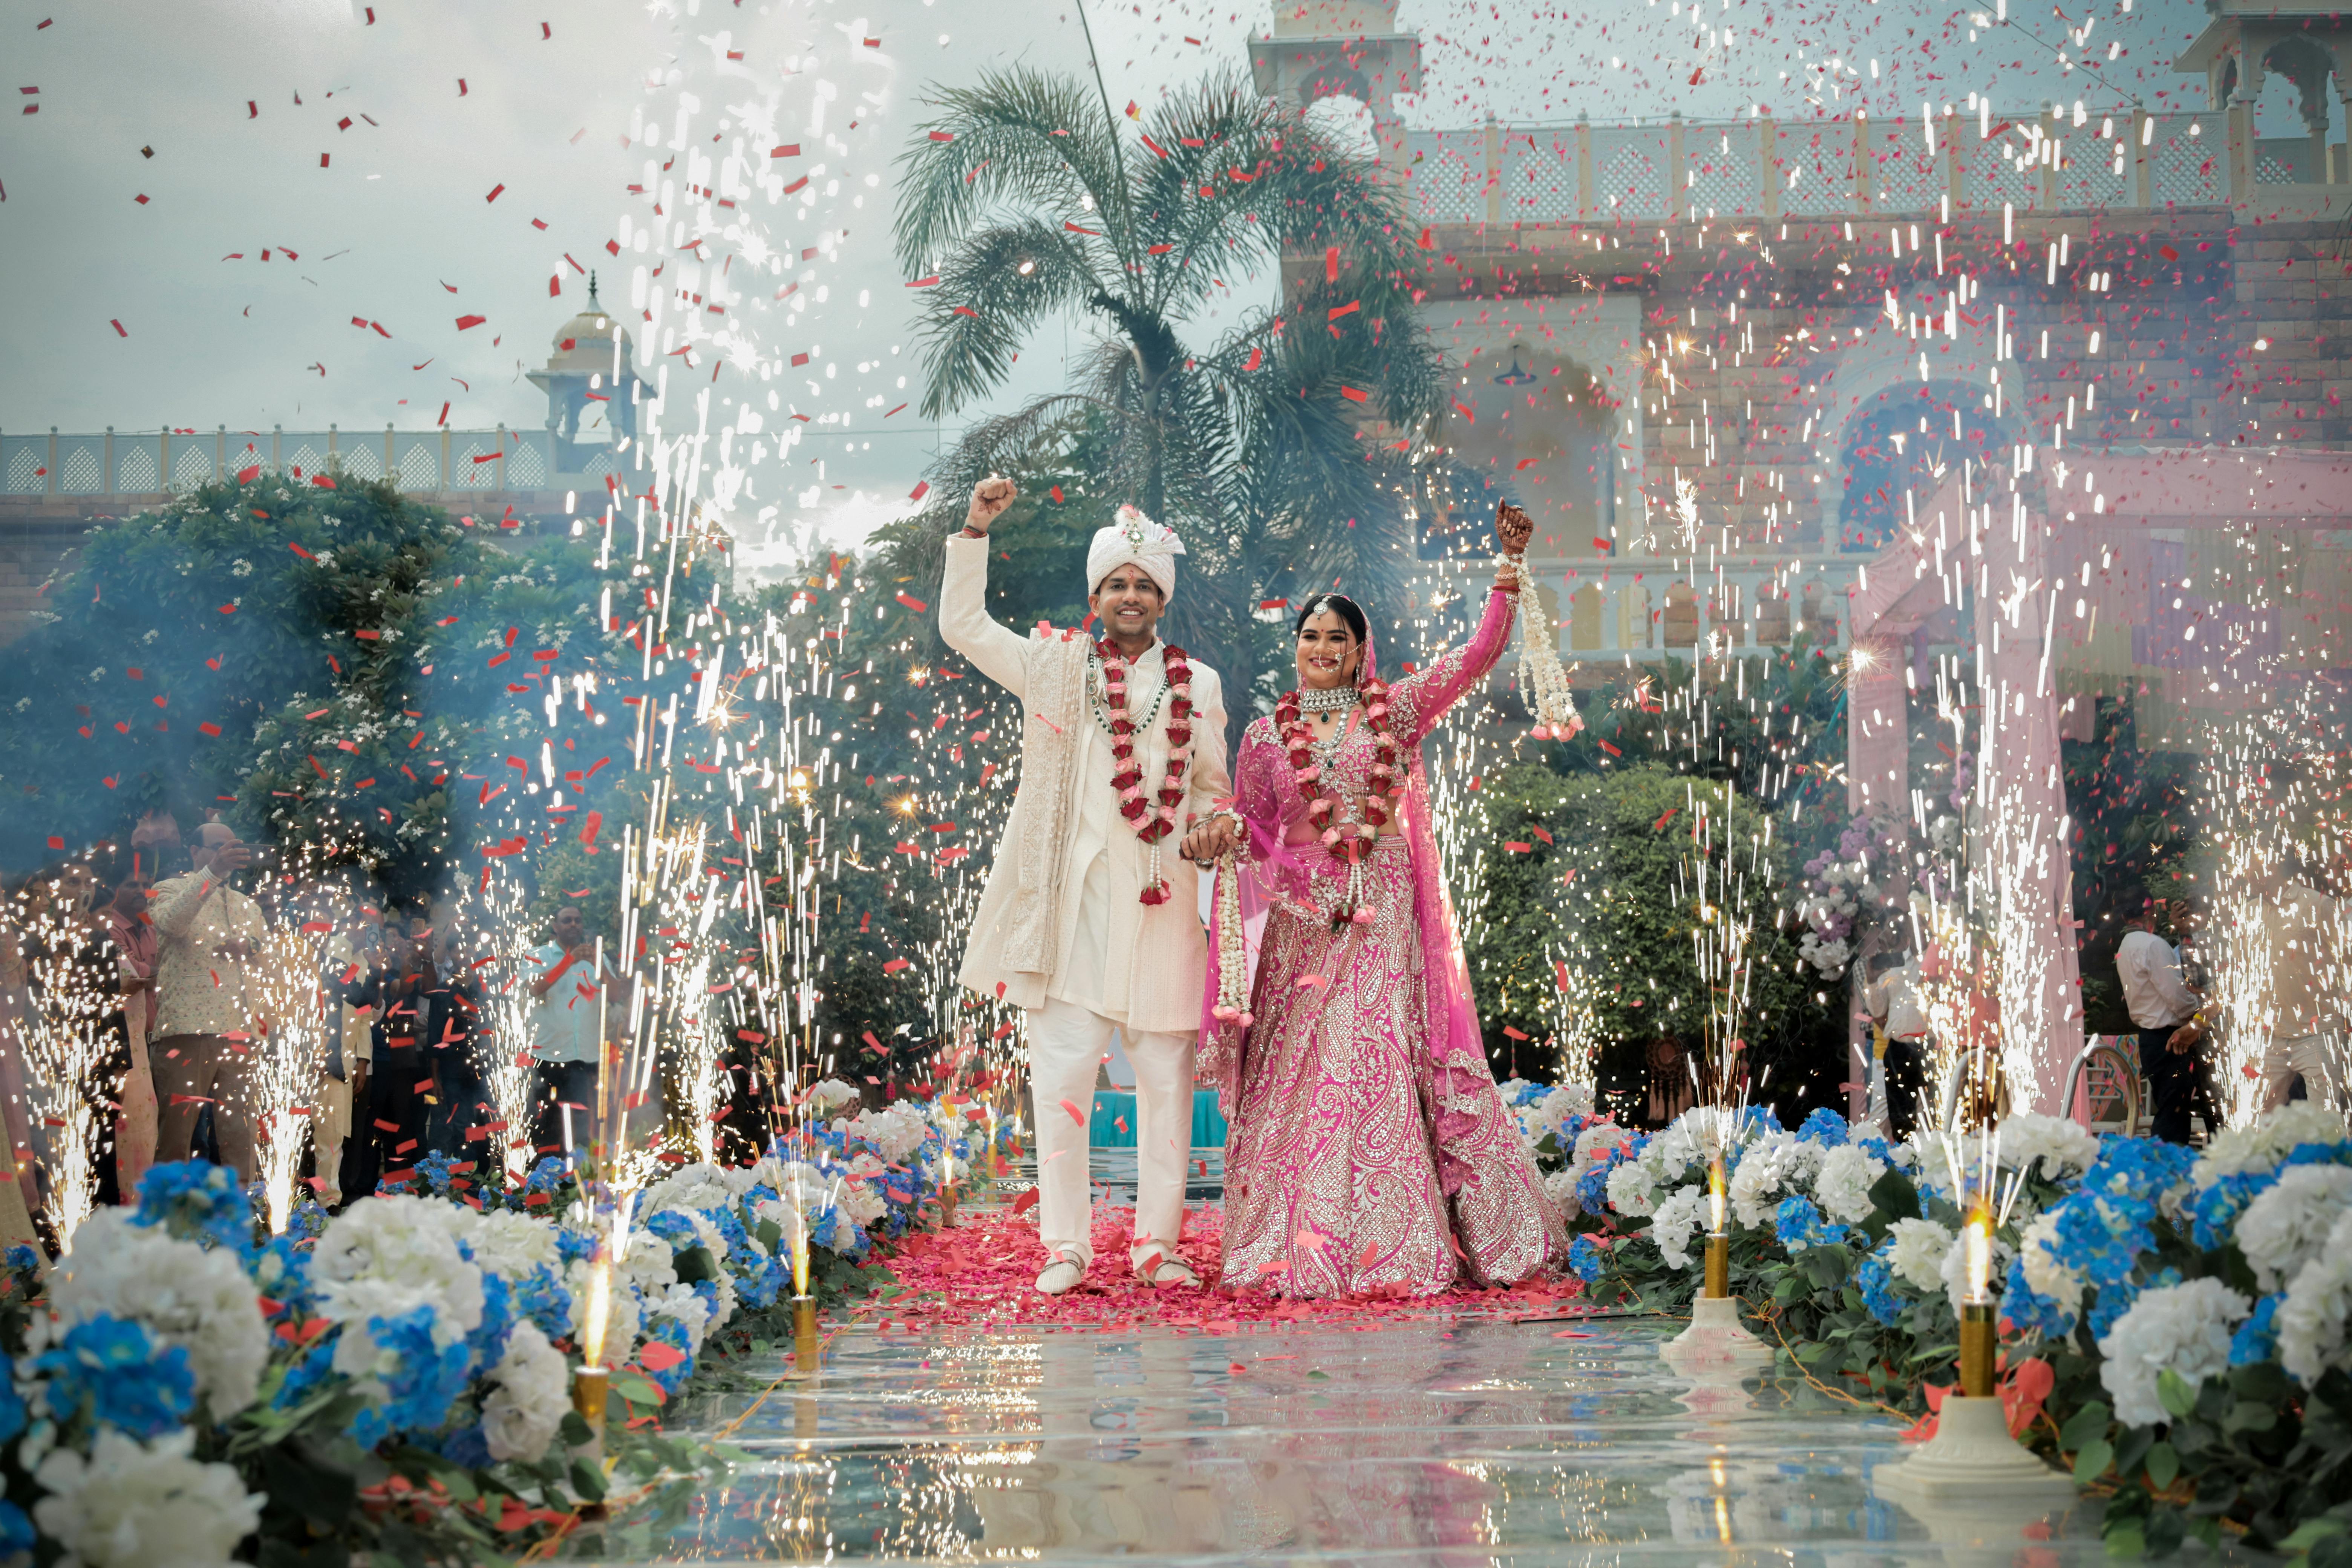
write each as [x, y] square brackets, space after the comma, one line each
[1468, 1442]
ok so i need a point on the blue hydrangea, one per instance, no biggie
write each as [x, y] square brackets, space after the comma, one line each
[2115, 1300]
[16, 1537]
[466, 1446]
[304, 1376]
[1798, 1223]
[426, 1381]
[573, 1245]
[1592, 1187]
[2030, 1311]
[1824, 1126]
[675, 1229]
[108, 1370]
[197, 1202]
[1586, 1259]
[23, 1258]
[434, 1173]
[2257, 1337]
[487, 1344]
[281, 1271]
[671, 1333]
[1875, 1278]
[543, 1298]
[837, 1232]
[547, 1176]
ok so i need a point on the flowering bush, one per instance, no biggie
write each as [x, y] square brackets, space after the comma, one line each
[181, 1384]
[2182, 1317]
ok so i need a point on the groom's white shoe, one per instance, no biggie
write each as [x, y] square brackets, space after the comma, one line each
[1061, 1276]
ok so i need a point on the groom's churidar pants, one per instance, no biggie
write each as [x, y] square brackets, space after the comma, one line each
[1067, 1043]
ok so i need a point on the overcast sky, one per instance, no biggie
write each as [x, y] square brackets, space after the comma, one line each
[311, 175]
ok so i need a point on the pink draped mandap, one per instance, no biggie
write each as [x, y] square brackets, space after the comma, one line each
[1369, 1152]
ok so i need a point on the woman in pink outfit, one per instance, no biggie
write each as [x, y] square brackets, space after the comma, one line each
[1369, 1152]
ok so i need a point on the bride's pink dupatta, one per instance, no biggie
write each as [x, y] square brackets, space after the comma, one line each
[1266, 794]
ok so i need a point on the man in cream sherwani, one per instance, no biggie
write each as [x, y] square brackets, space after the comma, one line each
[1085, 923]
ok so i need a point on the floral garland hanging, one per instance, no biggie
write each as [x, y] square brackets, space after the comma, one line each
[1155, 818]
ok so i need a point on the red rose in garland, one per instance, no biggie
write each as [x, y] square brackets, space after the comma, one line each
[1153, 818]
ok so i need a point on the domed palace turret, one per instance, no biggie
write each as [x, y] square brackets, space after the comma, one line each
[591, 384]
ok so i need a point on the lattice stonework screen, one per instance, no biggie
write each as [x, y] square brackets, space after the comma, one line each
[420, 466]
[136, 470]
[1910, 176]
[24, 476]
[526, 469]
[191, 465]
[1538, 181]
[365, 461]
[477, 467]
[1820, 158]
[1719, 172]
[307, 460]
[80, 470]
[2188, 165]
[1629, 173]
[1999, 174]
[1448, 174]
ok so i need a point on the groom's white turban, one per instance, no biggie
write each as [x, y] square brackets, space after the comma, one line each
[1134, 539]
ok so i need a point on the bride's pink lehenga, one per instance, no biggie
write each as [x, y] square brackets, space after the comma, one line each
[1368, 1151]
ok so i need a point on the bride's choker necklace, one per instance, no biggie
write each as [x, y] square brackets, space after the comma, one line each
[1330, 699]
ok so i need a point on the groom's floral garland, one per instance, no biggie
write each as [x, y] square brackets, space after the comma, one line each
[2174, 1325]
[1154, 819]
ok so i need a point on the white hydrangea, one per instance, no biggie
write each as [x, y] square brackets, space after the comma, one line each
[2286, 1225]
[1772, 1167]
[2311, 1320]
[181, 1293]
[861, 1203]
[2243, 1150]
[2184, 1329]
[2046, 1271]
[650, 1265]
[525, 1409]
[2063, 1146]
[1560, 1186]
[832, 1093]
[383, 1256]
[1843, 1185]
[142, 1505]
[1632, 1190]
[689, 1187]
[507, 1244]
[1920, 1247]
[896, 1132]
[1679, 1218]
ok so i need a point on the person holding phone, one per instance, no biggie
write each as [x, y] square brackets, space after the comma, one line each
[207, 936]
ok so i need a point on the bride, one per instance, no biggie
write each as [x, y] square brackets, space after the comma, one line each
[1369, 1152]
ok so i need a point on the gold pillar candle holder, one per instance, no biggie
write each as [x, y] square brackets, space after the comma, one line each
[1977, 1344]
[1718, 1265]
[804, 1338]
[1716, 1337]
[589, 1386]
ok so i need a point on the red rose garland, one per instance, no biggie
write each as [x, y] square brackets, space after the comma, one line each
[1154, 819]
[1386, 784]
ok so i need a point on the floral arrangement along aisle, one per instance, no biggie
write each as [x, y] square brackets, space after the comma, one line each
[2173, 1324]
[396, 1380]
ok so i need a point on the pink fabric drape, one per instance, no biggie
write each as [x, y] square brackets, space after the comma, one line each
[1266, 794]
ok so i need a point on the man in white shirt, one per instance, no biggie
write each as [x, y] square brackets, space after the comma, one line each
[2301, 926]
[1086, 922]
[207, 934]
[2160, 1002]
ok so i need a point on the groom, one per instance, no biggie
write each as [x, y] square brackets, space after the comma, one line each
[1090, 919]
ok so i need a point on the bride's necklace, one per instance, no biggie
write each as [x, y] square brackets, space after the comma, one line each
[1347, 842]
[1329, 699]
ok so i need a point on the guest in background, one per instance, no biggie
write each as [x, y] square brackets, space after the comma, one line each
[1898, 1017]
[208, 935]
[2161, 1002]
[398, 992]
[460, 1097]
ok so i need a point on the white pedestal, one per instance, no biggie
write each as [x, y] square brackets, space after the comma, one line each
[1714, 1337]
[1972, 1458]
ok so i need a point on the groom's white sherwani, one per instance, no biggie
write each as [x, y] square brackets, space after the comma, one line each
[1060, 924]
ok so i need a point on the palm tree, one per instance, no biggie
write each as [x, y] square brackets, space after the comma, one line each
[1283, 450]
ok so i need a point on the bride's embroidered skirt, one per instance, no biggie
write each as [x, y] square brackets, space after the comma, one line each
[1354, 1165]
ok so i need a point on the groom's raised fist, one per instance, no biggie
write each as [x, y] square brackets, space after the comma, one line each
[989, 499]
